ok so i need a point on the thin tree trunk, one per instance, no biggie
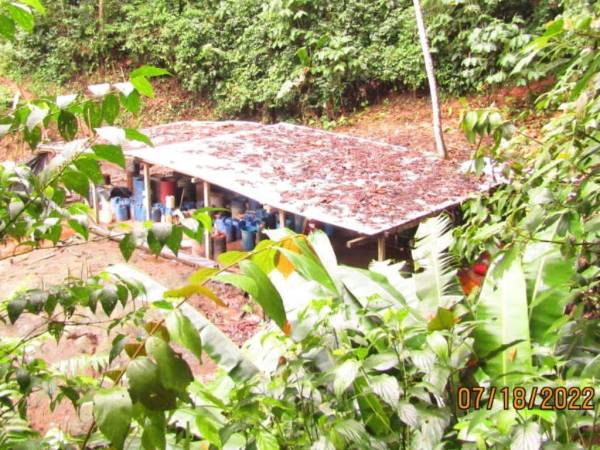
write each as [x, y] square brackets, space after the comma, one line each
[435, 106]
[101, 14]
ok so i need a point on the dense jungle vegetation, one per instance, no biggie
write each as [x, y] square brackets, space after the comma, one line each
[349, 358]
[287, 57]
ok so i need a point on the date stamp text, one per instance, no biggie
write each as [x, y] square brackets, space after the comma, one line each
[519, 398]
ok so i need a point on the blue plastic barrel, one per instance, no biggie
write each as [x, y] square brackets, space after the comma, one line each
[187, 205]
[236, 230]
[229, 230]
[157, 211]
[248, 236]
[250, 216]
[114, 204]
[138, 187]
[122, 212]
[138, 210]
[219, 224]
[261, 213]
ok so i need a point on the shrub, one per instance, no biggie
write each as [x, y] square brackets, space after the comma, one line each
[286, 57]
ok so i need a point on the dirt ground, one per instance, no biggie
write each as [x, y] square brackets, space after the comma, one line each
[405, 119]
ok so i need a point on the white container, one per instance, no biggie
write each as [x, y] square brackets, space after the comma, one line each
[170, 201]
[105, 215]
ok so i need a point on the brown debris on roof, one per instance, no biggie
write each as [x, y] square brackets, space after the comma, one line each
[358, 184]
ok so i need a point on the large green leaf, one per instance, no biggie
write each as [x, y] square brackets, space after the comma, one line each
[112, 410]
[21, 16]
[266, 441]
[110, 153]
[153, 437]
[219, 347]
[344, 375]
[76, 181]
[67, 125]
[174, 373]
[243, 282]
[308, 265]
[370, 288]
[548, 274]
[7, 27]
[184, 333]
[148, 71]
[324, 250]
[209, 426]
[110, 108]
[267, 295]
[89, 167]
[374, 415]
[143, 86]
[503, 319]
[128, 245]
[145, 386]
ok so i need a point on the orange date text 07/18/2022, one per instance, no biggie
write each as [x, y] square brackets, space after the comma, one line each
[546, 398]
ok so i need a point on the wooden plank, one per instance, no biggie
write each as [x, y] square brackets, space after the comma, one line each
[357, 242]
[206, 195]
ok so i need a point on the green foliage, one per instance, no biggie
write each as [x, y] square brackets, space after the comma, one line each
[68, 38]
[364, 369]
[545, 220]
[354, 358]
[18, 14]
[287, 57]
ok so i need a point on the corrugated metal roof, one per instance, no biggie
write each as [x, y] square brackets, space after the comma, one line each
[358, 184]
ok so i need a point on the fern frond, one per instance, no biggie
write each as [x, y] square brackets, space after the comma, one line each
[435, 271]
[81, 364]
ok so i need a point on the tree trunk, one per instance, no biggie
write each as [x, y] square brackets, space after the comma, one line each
[435, 106]
[101, 14]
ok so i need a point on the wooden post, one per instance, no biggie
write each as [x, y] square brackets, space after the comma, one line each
[281, 218]
[95, 202]
[147, 191]
[206, 195]
[381, 248]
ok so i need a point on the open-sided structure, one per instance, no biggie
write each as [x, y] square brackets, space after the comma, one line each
[368, 187]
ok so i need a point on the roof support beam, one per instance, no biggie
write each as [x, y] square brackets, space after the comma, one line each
[356, 242]
[281, 218]
[206, 195]
[381, 248]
